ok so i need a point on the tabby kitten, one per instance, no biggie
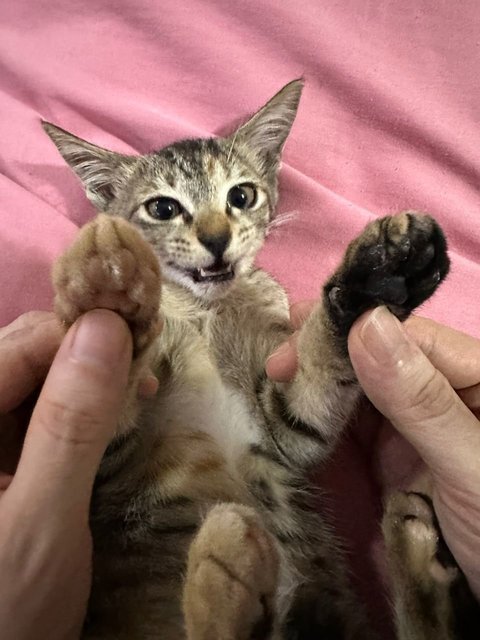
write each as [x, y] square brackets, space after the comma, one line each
[202, 520]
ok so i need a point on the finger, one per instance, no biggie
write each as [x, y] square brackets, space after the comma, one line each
[471, 397]
[406, 388]
[148, 386]
[28, 319]
[75, 417]
[281, 365]
[300, 311]
[27, 348]
[455, 354]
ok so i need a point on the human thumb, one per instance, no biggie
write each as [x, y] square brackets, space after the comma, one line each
[407, 389]
[75, 417]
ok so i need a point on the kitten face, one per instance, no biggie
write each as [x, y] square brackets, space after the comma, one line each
[205, 209]
[204, 205]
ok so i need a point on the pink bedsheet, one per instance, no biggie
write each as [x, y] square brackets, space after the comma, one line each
[388, 121]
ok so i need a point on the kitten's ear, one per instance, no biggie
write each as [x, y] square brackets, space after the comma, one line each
[100, 170]
[266, 132]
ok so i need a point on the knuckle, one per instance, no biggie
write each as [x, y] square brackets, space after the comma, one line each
[425, 334]
[432, 397]
[70, 425]
[32, 319]
[37, 322]
[471, 398]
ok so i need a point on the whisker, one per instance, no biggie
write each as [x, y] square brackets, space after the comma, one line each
[231, 146]
[280, 220]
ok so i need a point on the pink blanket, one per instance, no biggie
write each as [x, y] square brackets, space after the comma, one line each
[388, 121]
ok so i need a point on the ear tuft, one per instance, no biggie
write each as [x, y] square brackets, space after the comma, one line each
[266, 131]
[100, 170]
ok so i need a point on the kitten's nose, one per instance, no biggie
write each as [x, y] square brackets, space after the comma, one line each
[216, 244]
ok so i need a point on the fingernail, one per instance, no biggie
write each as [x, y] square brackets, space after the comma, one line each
[282, 350]
[100, 337]
[383, 336]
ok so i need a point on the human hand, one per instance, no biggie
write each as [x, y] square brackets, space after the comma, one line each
[45, 544]
[425, 378]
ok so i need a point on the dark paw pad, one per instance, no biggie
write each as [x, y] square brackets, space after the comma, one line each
[398, 261]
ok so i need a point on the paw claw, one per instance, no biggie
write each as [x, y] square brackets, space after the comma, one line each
[377, 254]
[404, 246]
[413, 540]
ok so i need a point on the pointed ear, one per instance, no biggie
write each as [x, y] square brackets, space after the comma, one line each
[266, 132]
[100, 170]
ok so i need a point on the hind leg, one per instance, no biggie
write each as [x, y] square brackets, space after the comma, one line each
[421, 569]
[231, 581]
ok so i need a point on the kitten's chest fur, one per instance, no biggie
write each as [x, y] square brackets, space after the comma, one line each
[207, 407]
[193, 445]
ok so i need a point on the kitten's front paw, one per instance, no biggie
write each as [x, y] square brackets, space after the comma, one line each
[110, 266]
[232, 577]
[397, 261]
[416, 551]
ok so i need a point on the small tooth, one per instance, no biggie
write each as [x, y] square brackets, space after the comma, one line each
[205, 273]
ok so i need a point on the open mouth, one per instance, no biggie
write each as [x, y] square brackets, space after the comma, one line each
[219, 272]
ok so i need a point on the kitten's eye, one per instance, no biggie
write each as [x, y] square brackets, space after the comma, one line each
[242, 196]
[164, 208]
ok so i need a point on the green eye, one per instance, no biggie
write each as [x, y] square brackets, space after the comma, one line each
[242, 196]
[164, 208]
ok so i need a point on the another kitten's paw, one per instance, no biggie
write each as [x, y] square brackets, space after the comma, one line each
[232, 577]
[110, 266]
[398, 261]
[415, 548]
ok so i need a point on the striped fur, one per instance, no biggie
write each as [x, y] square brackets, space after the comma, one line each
[203, 517]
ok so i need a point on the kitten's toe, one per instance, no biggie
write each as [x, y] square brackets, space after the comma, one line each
[415, 547]
[110, 266]
[397, 261]
[232, 577]
[431, 596]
